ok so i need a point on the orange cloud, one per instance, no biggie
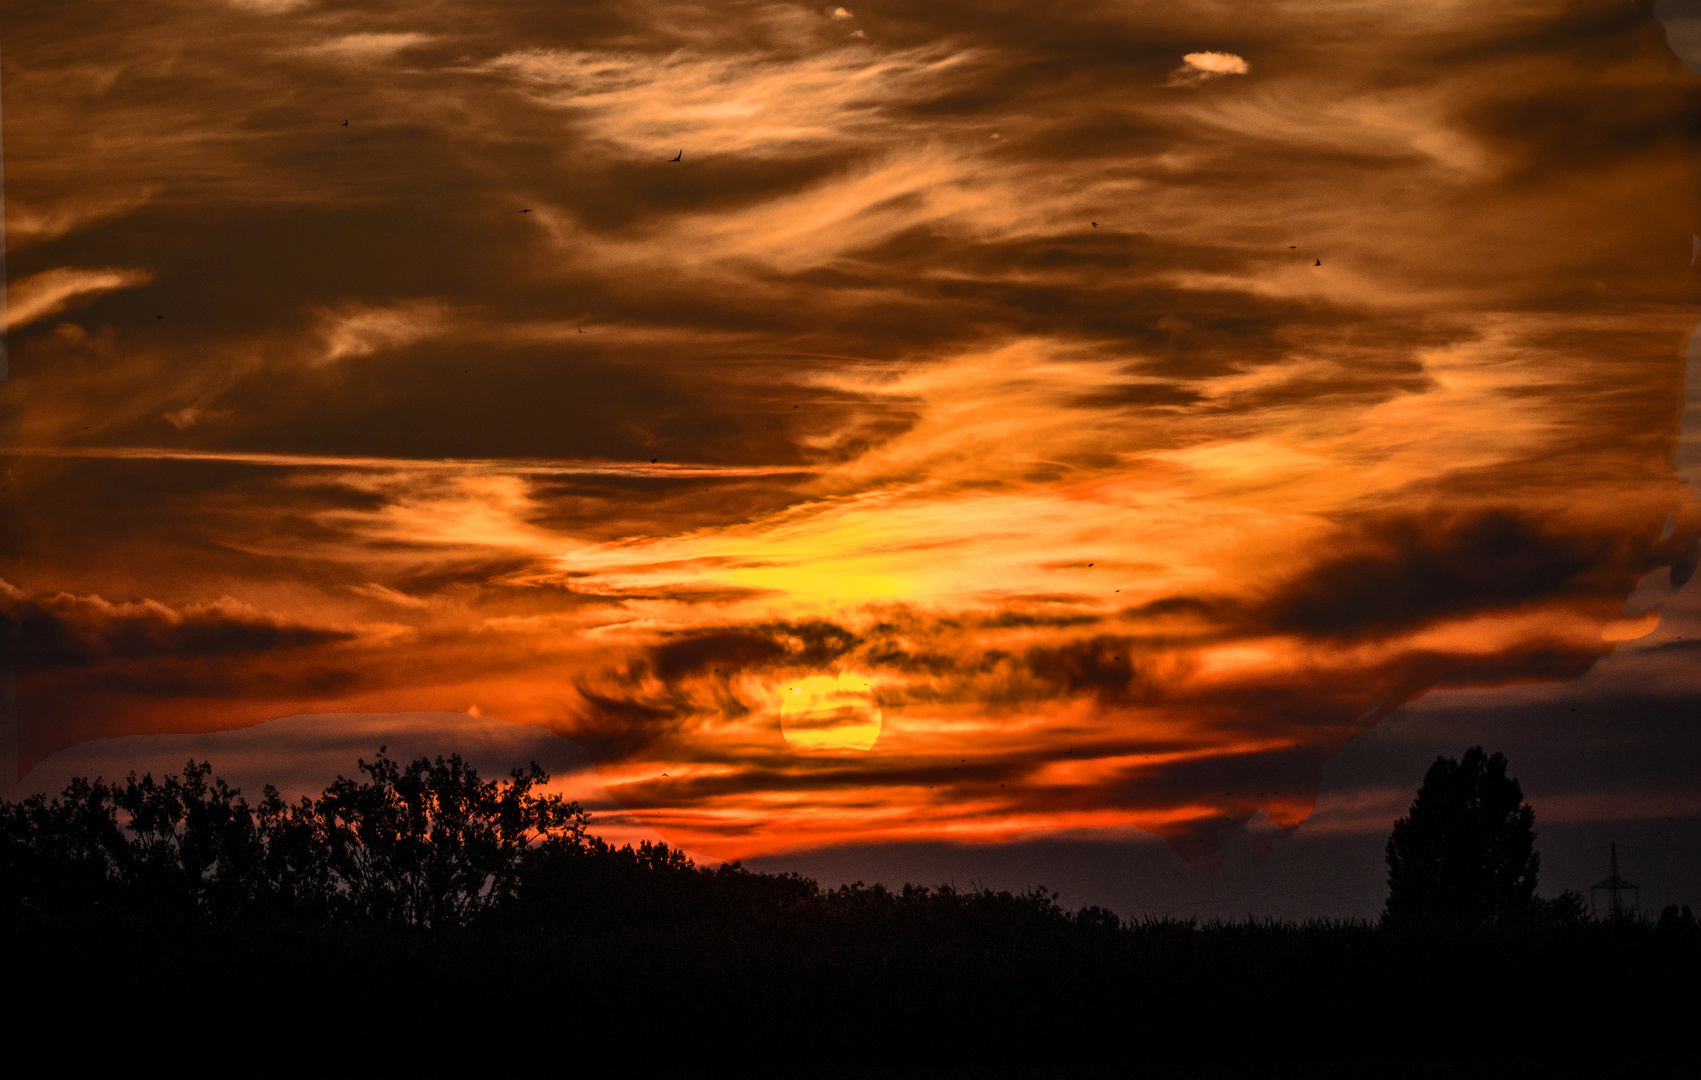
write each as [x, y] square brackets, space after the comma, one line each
[618, 376]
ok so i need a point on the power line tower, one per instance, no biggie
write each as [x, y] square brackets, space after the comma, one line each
[1615, 888]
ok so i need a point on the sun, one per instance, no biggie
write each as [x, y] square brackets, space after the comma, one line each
[828, 713]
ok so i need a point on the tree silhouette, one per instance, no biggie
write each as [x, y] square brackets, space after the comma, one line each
[1465, 852]
[428, 845]
[431, 844]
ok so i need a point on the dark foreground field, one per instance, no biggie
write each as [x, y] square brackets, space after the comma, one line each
[425, 922]
[672, 969]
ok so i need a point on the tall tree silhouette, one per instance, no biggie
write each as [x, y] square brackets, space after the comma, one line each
[1465, 852]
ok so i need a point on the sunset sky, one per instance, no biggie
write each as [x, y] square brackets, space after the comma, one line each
[896, 423]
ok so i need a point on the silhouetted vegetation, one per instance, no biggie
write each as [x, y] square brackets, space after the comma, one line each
[436, 921]
[429, 845]
[1466, 851]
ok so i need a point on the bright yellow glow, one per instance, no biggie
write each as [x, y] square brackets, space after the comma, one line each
[827, 713]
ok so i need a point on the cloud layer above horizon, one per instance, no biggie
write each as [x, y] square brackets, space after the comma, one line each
[1138, 401]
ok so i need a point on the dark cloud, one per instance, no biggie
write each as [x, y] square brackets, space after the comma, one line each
[616, 727]
[71, 631]
[732, 649]
[1102, 666]
[1396, 573]
[811, 643]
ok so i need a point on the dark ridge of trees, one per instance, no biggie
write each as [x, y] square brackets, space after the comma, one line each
[420, 919]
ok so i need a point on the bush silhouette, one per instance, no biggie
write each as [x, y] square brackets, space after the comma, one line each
[1465, 852]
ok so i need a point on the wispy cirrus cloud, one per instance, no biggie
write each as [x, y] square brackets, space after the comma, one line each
[44, 294]
[361, 47]
[363, 330]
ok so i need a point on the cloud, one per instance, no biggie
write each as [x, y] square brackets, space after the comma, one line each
[366, 46]
[1398, 573]
[1199, 67]
[28, 224]
[1121, 454]
[1682, 19]
[358, 330]
[388, 595]
[64, 630]
[770, 104]
[269, 7]
[51, 291]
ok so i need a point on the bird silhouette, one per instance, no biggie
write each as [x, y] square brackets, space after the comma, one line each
[345, 123]
[677, 156]
[525, 211]
[1319, 262]
[581, 329]
[1095, 224]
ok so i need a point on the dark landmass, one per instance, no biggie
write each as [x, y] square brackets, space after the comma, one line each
[422, 920]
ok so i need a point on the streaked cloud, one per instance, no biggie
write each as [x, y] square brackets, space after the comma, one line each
[50, 292]
[31, 224]
[269, 7]
[366, 46]
[1132, 461]
[362, 331]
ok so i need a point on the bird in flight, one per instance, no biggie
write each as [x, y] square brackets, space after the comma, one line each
[1095, 224]
[1319, 262]
[677, 156]
[525, 211]
[345, 123]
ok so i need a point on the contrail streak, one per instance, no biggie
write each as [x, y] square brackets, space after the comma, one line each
[508, 466]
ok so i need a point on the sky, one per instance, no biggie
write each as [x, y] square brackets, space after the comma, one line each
[868, 437]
